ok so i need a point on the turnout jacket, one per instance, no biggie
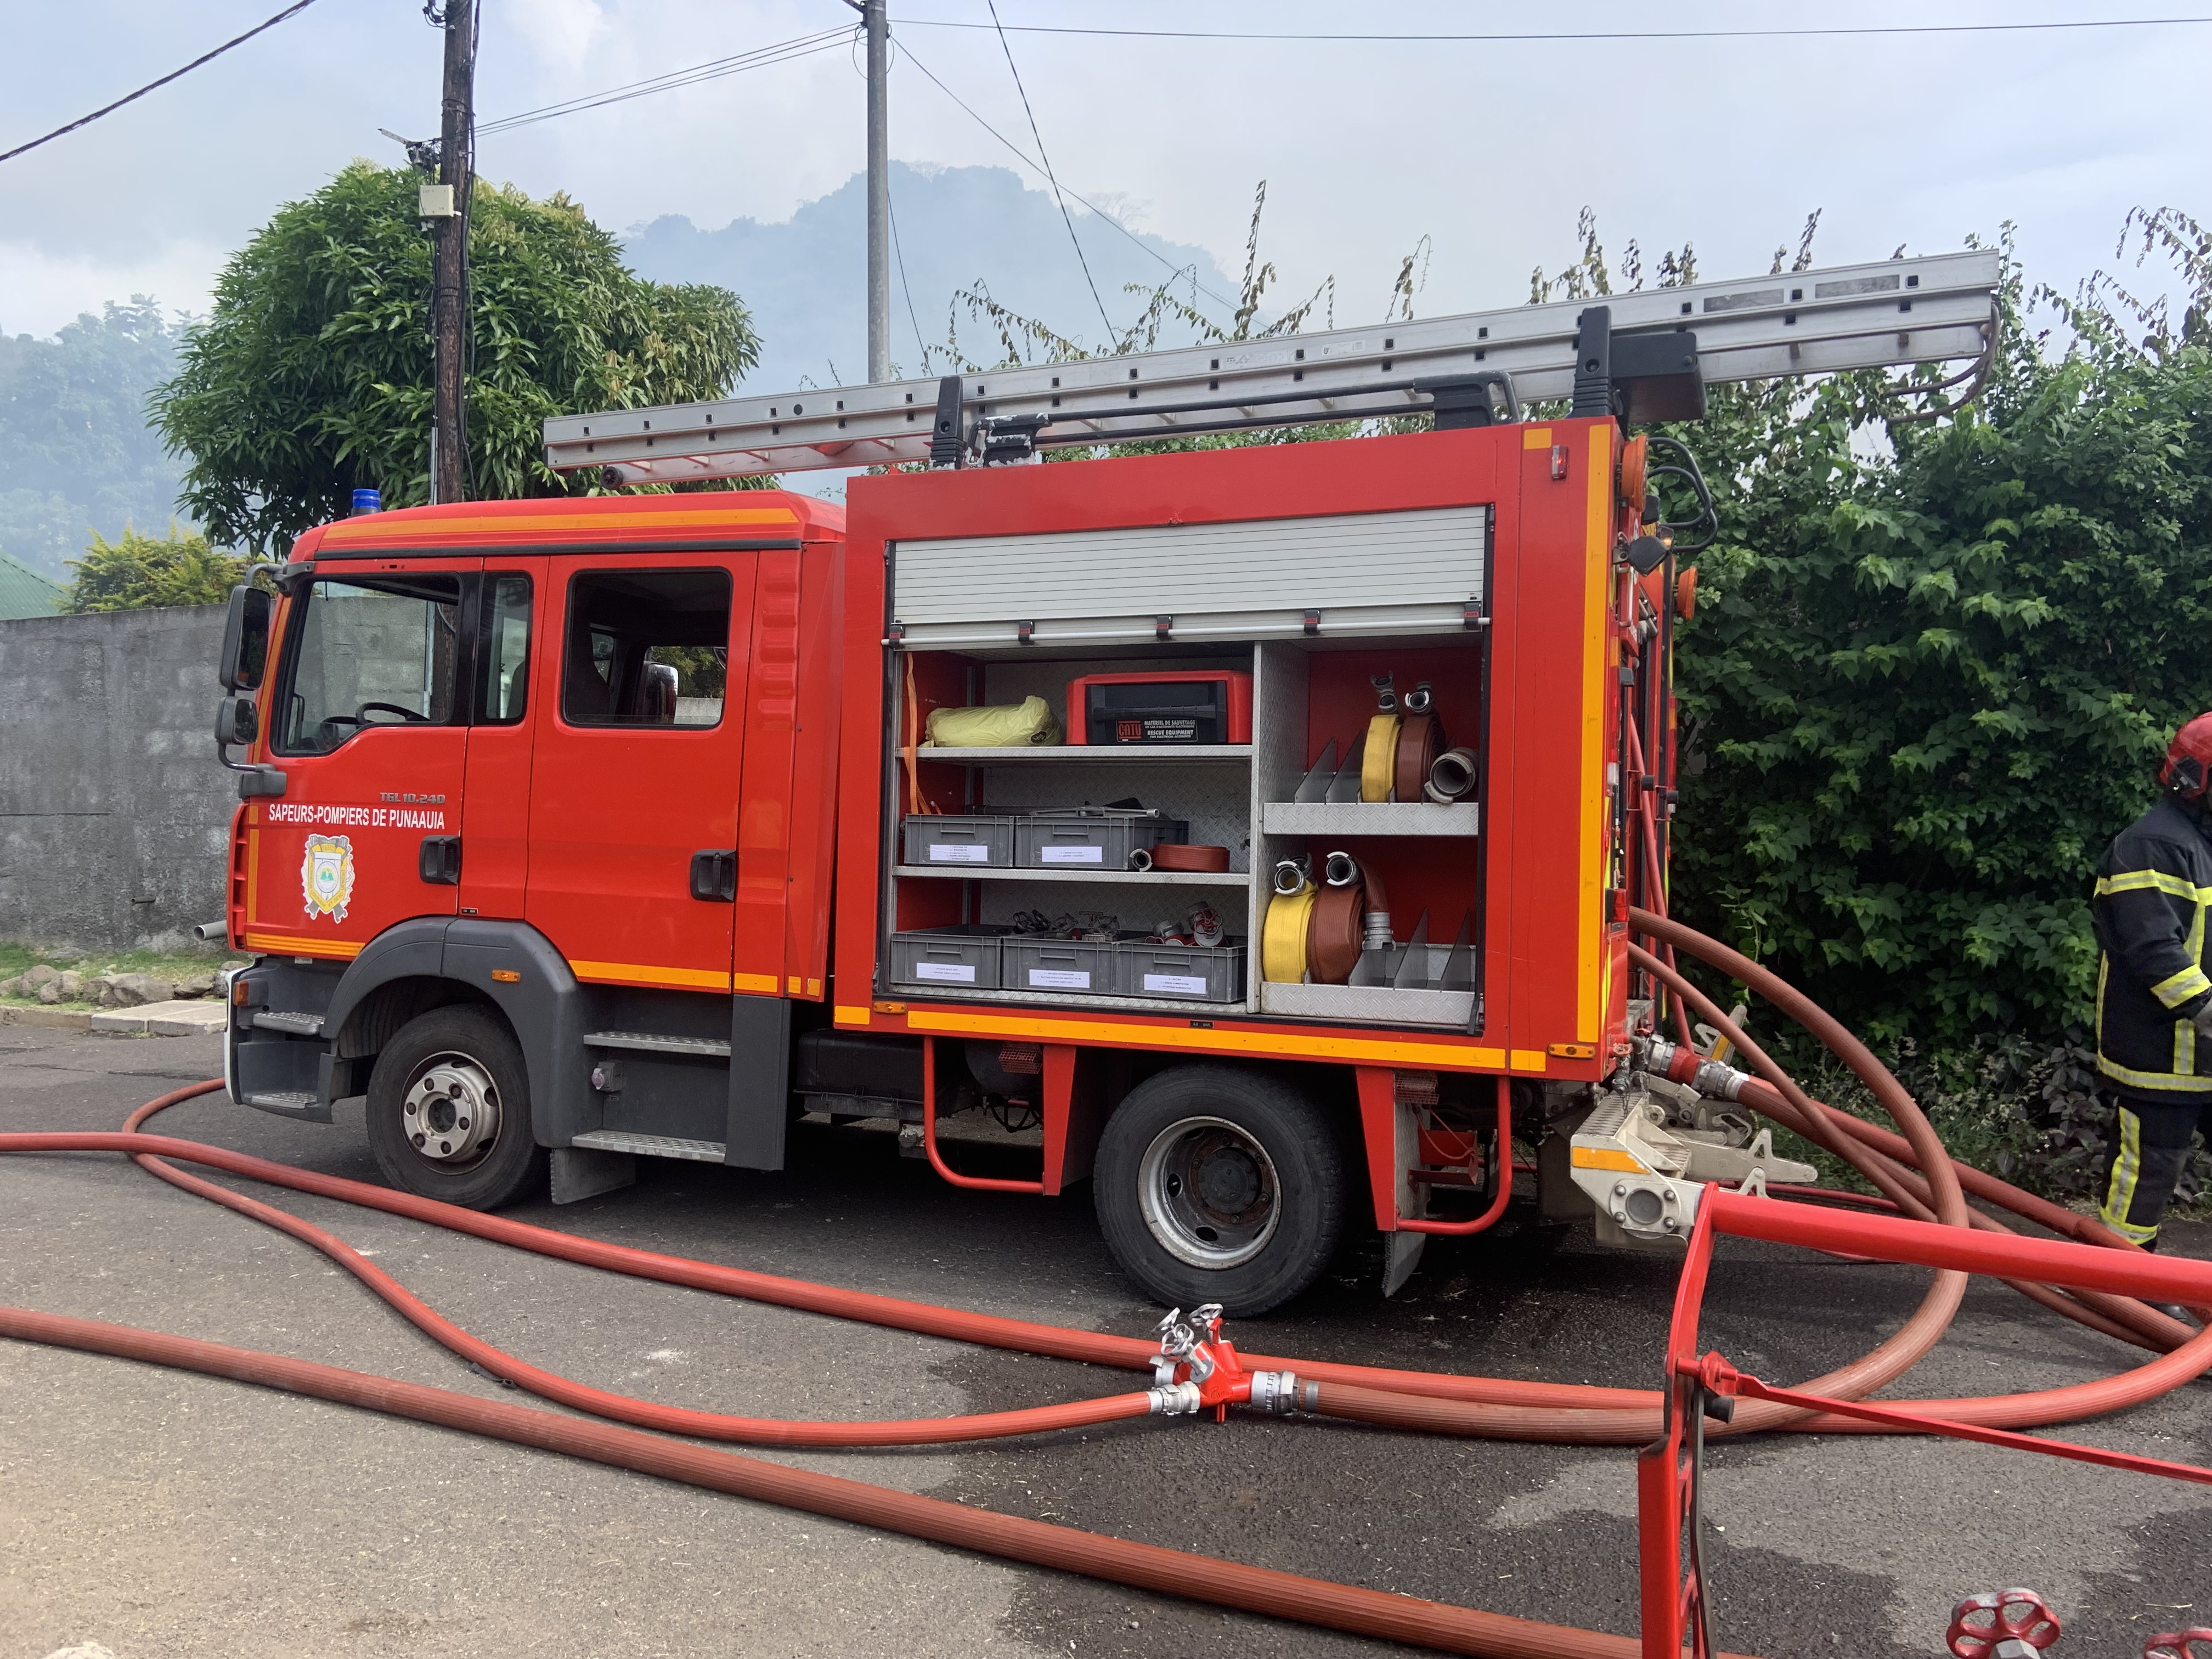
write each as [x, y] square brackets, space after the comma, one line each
[2154, 889]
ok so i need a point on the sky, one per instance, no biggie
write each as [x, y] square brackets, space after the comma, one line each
[1475, 156]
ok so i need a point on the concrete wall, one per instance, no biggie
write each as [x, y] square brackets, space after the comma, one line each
[114, 813]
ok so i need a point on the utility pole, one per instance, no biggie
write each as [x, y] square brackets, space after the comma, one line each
[878, 28]
[449, 306]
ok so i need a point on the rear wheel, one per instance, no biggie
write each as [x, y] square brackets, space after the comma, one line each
[449, 1111]
[1218, 1184]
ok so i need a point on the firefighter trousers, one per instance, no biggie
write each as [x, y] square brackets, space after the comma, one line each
[2150, 1149]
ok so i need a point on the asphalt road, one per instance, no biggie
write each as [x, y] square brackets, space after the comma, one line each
[170, 1514]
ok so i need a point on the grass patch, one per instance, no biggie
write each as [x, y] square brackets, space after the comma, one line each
[15, 956]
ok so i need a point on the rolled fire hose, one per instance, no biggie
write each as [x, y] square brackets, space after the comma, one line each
[1419, 741]
[1378, 761]
[1179, 855]
[1283, 934]
[1350, 914]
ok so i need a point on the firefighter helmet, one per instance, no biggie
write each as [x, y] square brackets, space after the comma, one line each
[2189, 760]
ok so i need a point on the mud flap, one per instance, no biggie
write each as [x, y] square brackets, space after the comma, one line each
[760, 1082]
[1402, 1247]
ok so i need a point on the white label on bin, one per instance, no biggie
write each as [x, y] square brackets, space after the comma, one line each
[1187, 985]
[1060, 979]
[957, 853]
[1073, 854]
[959, 972]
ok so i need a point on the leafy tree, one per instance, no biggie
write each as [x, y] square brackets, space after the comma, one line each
[1934, 665]
[137, 572]
[312, 376]
[75, 452]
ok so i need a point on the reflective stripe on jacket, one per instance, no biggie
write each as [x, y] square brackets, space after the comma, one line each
[2154, 890]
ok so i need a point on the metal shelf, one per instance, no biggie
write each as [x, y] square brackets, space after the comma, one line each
[1073, 1002]
[1138, 877]
[1370, 818]
[1119, 752]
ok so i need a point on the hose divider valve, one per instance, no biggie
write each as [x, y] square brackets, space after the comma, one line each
[1195, 1356]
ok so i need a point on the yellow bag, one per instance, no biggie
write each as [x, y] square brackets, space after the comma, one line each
[1003, 726]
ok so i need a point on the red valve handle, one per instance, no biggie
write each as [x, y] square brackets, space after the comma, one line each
[1980, 1622]
[2177, 1644]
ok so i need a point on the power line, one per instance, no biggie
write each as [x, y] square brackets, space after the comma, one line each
[898, 252]
[714, 69]
[204, 58]
[1598, 35]
[1031, 163]
[1066, 218]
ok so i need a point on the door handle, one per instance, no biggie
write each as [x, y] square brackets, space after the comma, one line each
[714, 876]
[441, 860]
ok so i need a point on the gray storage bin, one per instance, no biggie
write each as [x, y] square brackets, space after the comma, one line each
[965, 957]
[1089, 841]
[1187, 973]
[939, 839]
[1070, 967]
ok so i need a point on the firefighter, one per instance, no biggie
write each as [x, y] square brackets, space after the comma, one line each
[2153, 997]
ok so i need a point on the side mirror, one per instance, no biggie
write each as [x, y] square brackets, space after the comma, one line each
[244, 640]
[660, 688]
[237, 722]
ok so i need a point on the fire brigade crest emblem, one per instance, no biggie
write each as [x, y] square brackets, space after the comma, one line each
[327, 876]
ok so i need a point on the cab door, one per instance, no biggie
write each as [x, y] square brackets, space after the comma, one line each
[632, 862]
[509, 630]
[369, 724]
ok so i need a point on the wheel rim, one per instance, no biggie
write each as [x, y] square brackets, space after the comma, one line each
[450, 1112]
[1209, 1193]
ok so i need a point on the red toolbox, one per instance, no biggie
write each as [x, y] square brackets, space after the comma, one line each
[1177, 706]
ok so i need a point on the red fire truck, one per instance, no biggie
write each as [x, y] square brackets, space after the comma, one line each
[1261, 822]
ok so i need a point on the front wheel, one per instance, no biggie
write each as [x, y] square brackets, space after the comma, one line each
[1218, 1184]
[449, 1111]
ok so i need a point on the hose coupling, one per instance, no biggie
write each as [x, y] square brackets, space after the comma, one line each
[1279, 1393]
[1175, 1399]
[1686, 1065]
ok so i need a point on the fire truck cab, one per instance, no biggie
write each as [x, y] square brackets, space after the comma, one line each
[576, 830]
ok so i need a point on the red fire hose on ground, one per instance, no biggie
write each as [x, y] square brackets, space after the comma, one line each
[1911, 1169]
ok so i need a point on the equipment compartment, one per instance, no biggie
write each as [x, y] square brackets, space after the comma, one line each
[1071, 854]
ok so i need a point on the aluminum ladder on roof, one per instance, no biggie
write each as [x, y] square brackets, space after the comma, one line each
[1647, 355]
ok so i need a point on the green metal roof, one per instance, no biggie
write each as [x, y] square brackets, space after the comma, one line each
[25, 592]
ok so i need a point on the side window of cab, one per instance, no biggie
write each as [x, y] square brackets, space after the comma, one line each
[369, 651]
[647, 648]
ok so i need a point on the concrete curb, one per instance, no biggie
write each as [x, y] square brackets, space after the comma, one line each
[66, 1019]
[162, 1019]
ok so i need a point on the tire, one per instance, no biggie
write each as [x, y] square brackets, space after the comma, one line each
[1214, 1184]
[428, 1124]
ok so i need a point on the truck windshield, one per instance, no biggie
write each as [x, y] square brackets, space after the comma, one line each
[373, 652]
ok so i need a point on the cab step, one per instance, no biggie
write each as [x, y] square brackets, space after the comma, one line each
[653, 1044]
[285, 1100]
[622, 1140]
